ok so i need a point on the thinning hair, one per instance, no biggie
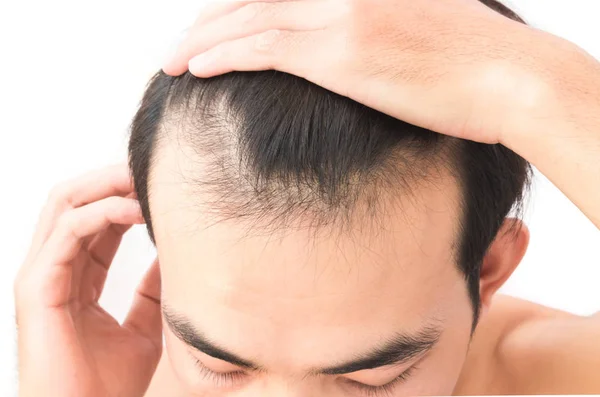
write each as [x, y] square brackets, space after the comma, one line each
[278, 151]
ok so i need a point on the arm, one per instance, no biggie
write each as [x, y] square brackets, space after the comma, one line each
[560, 135]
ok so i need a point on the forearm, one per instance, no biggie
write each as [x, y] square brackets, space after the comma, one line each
[561, 134]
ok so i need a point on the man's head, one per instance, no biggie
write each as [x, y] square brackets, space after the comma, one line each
[310, 243]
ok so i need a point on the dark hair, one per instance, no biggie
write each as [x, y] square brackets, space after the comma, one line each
[279, 149]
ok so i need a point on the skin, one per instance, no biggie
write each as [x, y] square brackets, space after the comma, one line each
[295, 301]
[268, 299]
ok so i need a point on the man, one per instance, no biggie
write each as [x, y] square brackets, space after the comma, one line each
[309, 245]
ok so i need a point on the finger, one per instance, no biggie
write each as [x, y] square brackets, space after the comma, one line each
[88, 281]
[273, 49]
[176, 66]
[93, 186]
[252, 19]
[208, 13]
[103, 247]
[144, 318]
[50, 276]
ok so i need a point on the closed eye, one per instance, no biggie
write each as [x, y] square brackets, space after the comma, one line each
[383, 390]
[220, 379]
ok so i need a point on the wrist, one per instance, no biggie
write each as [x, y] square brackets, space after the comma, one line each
[557, 101]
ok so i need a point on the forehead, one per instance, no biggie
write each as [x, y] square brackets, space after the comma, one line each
[296, 288]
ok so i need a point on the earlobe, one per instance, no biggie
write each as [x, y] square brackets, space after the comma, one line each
[502, 258]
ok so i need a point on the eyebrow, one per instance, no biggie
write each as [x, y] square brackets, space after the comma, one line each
[399, 349]
[187, 333]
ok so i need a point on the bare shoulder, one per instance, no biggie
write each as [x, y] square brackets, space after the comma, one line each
[553, 352]
[525, 348]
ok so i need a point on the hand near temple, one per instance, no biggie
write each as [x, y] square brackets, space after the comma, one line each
[68, 345]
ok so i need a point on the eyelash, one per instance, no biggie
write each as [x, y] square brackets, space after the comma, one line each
[230, 378]
[227, 379]
[387, 389]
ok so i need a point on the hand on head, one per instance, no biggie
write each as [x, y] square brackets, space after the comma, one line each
[431, 64]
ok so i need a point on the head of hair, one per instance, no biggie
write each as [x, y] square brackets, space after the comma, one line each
[280, 151]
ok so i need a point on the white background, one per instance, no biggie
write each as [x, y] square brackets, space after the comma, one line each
[72, 73]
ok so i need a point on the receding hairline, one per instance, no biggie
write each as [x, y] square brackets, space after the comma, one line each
[376, 201]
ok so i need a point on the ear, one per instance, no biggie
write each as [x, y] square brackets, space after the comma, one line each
[502, 258]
